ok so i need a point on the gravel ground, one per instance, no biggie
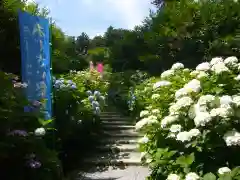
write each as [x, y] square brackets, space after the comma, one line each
[129, 173]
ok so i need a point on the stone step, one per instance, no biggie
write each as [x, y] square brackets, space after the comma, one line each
[111, 118]
[118, 148]
[122, 158]
[117, 140]
[113, 122]
[118, 127]
[122, 133]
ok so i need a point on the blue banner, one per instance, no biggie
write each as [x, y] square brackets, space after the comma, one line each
[35, 55]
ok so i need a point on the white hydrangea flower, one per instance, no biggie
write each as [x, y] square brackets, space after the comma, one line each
[238, 67]
[161, 84]
[175, 128]
[180, 93]
[194, 73]
[237, 78]
[232, 138]
[184, 102]
[226, 100]
[202, 118]
[40, 132]
[194, 132]
[173, 177]
[194, 109]
[219, 68]
[224, 170]
[149, 107]
[143, 140]
[143, 155]
[168, 120]
[167, 74]
[146, 121]
[202, 75]
[171, 135]
[177, 66]
[193, 86]
[231, 62]
[148, 160]
[207, 100]
[186, 70]
[216, 60]
[155, 96]
[205, 66]
[236, 100]
[192, 112]
[144, 113]
[192, 176]
[223, 111]
[155, 111]
[188, 135]
[152, 117]
[184, 136]
[174, 109]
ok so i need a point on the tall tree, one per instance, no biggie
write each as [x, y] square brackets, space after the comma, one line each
[82, 43]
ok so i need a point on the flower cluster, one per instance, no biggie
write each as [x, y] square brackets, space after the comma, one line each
[131, 100]
[32, 162]
[63, 84]
[95, 99]
[19, 85]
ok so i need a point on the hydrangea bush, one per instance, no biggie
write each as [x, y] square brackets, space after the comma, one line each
[191, 121]
[78, 100]
[23, 142]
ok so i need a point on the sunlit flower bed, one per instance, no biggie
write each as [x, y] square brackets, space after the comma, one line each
[191, 121]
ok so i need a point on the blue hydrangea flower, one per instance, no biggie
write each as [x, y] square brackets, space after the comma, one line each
[95, 104]
[73, 86]
[69, 82]
[91, 98]
[89, 93]
[97, 111]
[102, 98]
[97, 93]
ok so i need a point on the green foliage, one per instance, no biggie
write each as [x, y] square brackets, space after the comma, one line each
[20, 146]
[76, 114]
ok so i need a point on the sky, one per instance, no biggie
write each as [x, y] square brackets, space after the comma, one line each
[95, 16]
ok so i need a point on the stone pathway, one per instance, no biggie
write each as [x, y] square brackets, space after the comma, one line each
[118, 157]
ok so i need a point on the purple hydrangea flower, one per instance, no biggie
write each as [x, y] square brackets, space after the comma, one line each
[36, 103]
[18, 133]
[34, 164]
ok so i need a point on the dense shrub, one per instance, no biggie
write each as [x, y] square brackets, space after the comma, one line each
[79, 99]
[30, 146]
[120, 88]
[191, 121]
[24, 136]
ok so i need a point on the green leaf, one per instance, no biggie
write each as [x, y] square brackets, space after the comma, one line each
[235, 172]
[225, 177]
[209, 176]
[185, 161]
[44, 122]
[54, 129]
